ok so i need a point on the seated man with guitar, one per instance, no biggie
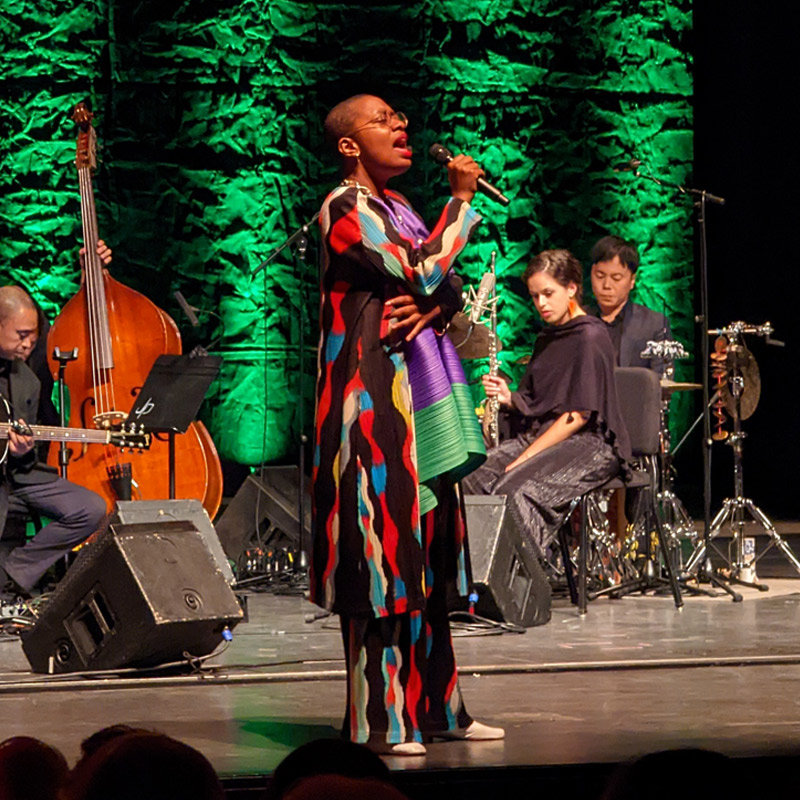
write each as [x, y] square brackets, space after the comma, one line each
[26, 484]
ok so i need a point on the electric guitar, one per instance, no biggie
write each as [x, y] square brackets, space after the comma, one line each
[132, 437]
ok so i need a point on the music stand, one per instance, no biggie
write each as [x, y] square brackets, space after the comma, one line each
[172, 396]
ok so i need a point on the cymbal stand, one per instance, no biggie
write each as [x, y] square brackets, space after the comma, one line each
[700, 198]
[735, 509]
[676, 522]
[675, 519]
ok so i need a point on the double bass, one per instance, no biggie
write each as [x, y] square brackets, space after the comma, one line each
[119, 334]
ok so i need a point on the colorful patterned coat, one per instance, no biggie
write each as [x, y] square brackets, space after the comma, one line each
[368, 558]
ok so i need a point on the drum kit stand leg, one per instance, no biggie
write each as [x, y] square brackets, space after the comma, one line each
[742, 559]
[738, 394]
[675, 519]
[672, 522]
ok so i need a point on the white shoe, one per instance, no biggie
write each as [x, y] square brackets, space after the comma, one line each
[401, 749]
[474, 732]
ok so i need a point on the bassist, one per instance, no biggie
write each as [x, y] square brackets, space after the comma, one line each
[26, 484]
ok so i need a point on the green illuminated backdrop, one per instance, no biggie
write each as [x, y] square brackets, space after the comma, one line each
[209, 114]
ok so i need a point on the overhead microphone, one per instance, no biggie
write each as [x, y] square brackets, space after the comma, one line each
[187, 309]
[443, 156]
[482, 296]
[633, 164]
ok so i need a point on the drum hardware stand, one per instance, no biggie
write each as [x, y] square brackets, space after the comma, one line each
[674, 517]
[701, 198]
[300, 239]
[605, 563]
[735, 508]
[648, 579]
[667, 515]
[63, 359]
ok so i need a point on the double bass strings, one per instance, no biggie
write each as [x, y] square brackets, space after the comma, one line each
[99, 338]
[89, 277]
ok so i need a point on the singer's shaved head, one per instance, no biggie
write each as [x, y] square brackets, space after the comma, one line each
[342, 118]
[370, 138]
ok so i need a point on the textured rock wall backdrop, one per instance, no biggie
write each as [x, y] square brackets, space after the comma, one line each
[209, 117]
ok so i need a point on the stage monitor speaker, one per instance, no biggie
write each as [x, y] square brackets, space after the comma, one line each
[506, 571]
[271, 499]
[137, 511]
[141, 595]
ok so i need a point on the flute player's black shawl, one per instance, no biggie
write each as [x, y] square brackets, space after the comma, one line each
[572, 369]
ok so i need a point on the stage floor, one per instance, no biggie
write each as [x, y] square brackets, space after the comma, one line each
[632, 676]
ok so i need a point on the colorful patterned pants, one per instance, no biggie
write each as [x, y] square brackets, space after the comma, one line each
[401, 671]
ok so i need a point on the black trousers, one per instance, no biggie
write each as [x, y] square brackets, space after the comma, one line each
[541, 489]
[75, 513]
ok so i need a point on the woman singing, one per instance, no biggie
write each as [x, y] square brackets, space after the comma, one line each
[573, 436]
[388, 531]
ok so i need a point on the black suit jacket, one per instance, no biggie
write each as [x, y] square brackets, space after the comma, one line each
[639, 326]
[24, 390]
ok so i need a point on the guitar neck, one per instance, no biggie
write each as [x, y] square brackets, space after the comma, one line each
[52, 434]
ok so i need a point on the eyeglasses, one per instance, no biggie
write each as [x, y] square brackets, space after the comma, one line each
[384, 119]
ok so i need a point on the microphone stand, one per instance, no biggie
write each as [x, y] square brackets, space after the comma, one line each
[300, 233]
[700, 197]
[300, 240]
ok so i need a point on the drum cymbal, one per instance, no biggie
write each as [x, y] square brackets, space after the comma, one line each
[751, 392]
[668, 386]
[470, 343]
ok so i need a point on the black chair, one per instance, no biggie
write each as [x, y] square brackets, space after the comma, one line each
[639, 392]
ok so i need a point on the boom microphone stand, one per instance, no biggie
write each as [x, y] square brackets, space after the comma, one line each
[300, 241]
[700, 197]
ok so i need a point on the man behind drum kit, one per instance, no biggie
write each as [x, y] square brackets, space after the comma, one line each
[630, 325]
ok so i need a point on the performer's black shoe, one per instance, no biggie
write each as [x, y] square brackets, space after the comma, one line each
[10, 590]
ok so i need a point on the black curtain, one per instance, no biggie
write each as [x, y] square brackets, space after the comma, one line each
[746, 90]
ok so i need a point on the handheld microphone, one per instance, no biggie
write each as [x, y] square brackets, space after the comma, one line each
[443, 156]
[480, 303]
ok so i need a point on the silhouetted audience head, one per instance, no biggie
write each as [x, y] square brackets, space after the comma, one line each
[30, 770]
[135, 766]
[340, 787]
[684, 773]
[91, 744]
[326, 757]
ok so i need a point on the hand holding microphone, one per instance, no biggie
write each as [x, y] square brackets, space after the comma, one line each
[466, 177]
[463, 173]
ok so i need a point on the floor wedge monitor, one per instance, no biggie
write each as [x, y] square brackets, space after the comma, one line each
[506, 572]
[141, 595]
